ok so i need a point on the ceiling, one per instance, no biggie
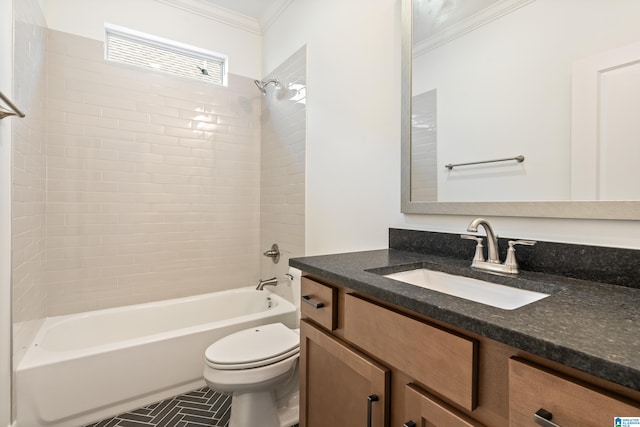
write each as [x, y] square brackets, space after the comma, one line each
[251, 15]
[432, 16]
[253, 8]
[263, 11]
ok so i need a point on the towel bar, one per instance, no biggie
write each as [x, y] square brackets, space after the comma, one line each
[520, 159]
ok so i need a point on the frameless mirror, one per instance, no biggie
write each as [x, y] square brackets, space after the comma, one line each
[521, 108]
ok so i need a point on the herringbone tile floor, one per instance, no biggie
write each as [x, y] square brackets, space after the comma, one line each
[202, 407]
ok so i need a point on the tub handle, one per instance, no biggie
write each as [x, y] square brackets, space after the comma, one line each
[312, 302]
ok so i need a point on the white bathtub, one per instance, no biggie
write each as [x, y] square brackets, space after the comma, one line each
[86, 367]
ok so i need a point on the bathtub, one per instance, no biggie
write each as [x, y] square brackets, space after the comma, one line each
[85, 367]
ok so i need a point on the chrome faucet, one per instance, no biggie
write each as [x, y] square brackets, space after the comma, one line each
[493, 263]
[269, 282]
[492, 239]
[273, 253]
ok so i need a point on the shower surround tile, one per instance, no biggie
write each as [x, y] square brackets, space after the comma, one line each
[283, 141]
[28, 210]
[153, 182]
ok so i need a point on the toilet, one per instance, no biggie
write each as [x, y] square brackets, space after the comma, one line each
[259, 368]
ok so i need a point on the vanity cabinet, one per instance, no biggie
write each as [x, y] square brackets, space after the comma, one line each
[557, 400]
[351, 348]
[423, 372]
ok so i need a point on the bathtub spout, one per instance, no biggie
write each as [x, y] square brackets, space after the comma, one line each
[269, 282]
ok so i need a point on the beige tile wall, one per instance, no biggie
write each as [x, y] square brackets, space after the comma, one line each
[283, 164]
[28, 174]
[153, 182]
[424, 139]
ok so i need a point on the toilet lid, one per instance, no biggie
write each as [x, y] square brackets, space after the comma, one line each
[254, 347]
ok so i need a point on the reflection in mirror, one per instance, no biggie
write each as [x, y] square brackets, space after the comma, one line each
[503, 73]
[424, 136]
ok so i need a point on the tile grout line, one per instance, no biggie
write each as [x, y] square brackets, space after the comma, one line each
[170, 412]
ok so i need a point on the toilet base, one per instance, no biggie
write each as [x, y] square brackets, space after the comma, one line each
[269, 408]
[254, 409]
[289, 410]
[263, 412]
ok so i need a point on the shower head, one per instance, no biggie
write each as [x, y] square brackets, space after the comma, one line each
[262, 84]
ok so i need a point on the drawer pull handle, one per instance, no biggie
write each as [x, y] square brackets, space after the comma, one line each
[312, 302]
[543, 418]
[370, 399]
[409, 424]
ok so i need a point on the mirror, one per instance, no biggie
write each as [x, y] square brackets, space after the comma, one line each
[546, 86]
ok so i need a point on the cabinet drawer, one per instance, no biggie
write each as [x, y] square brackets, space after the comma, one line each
[444, 362]
[570, 402]
[423, 409]
[319, 303]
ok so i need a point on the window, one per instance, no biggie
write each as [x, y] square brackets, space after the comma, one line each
[142, 50]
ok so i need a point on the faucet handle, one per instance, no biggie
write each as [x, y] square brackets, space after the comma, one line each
[511, 261]
[479, 255]
[521, 242]
[470, 237]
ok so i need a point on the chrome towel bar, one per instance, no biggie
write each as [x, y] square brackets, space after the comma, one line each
[519, 159]
[6, 113]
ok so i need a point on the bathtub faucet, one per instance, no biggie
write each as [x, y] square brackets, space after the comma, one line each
[269, 282]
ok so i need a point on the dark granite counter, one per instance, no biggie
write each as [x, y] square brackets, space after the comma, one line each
[590, 326]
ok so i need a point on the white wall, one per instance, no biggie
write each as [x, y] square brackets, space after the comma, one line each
[353, 133]
[87, 17]
[6, 66]
[353, 119]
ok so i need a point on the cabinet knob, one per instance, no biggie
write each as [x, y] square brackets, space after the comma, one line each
[409, 423]
[312, 302]
[543, 417]
[370, 399]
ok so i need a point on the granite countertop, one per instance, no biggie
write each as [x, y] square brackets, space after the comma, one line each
[590, 326]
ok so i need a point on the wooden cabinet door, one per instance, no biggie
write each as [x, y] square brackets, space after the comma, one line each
[421, 409]
[337, 383]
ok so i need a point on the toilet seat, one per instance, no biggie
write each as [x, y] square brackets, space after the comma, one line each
[253, 347]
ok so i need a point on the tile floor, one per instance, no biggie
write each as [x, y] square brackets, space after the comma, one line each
[202, 407]
[198, 408]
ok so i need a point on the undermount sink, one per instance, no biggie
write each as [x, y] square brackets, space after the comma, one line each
[500, 296]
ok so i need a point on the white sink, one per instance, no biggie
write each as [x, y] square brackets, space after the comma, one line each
[492, 294]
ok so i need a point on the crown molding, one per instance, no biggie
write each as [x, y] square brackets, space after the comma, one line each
[469, 24]
[275, 10]
[216, 13]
